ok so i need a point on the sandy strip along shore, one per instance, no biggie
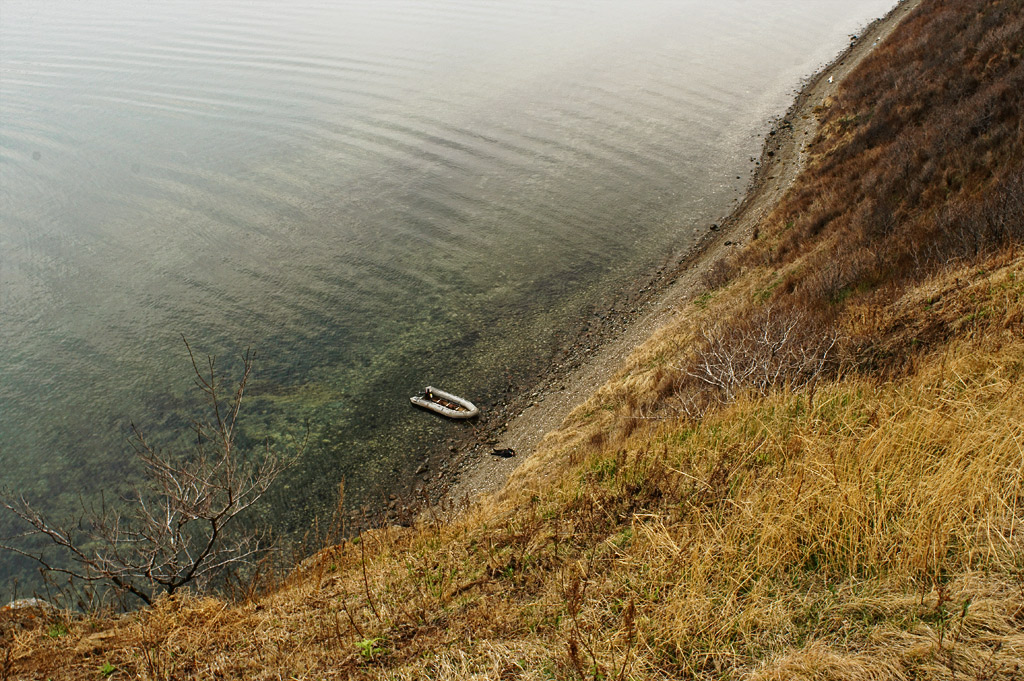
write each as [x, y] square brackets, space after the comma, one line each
[524, 423]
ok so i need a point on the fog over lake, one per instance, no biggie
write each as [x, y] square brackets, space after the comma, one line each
[375, 195]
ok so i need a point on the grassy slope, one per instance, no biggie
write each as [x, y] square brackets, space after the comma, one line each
[858, 521]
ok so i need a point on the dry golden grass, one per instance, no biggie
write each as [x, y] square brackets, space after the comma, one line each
[872, 534]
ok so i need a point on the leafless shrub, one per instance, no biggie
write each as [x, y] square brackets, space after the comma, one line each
[972, 229]
[176, 527]
[720, 273]
[770, 349]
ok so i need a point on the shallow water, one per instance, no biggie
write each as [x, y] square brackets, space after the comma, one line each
[375, 195]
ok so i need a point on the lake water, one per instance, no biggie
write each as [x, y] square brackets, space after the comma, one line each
[374, 194]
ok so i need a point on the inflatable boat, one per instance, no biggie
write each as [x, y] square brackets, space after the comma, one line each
[445, 404]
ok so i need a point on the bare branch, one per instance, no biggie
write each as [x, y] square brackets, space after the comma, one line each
[175, 530]
[768, 350]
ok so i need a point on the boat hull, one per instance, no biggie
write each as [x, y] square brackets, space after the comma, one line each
[464, 409]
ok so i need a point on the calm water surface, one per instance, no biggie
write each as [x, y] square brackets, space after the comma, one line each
[373, 194]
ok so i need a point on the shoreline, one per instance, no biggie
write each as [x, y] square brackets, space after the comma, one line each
[523, 423]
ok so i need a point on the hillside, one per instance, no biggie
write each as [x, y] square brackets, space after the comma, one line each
[814, 470]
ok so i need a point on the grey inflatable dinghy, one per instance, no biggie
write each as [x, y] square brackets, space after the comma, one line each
[445, 404]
